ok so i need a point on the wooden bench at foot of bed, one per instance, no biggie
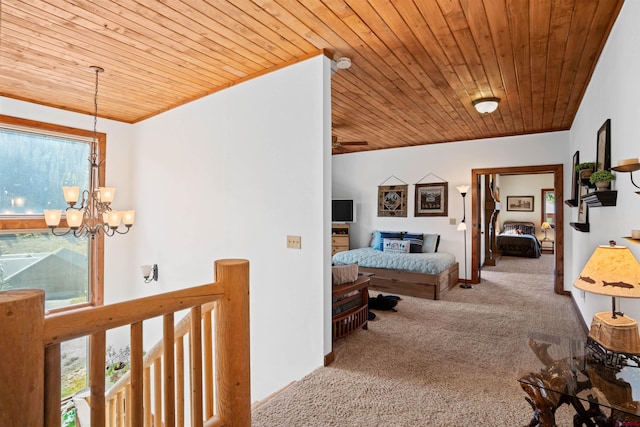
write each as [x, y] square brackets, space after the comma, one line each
[421, 285]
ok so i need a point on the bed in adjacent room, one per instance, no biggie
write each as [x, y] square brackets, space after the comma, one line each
[405, 263]
[518, 239]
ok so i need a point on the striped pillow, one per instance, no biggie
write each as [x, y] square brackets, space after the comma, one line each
[416, 240]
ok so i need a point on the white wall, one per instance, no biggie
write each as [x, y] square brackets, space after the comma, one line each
[525, 185]
[612, 93]
[230, 176]
[235, 173]
[358, 175]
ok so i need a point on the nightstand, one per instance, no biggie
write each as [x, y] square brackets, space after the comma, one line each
[547, 246]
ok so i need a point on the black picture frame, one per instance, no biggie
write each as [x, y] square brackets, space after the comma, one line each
[603, 147]
[576, 178]
[431, 199]
[520, 203]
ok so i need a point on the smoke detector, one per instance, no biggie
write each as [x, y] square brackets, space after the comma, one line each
[343, 63]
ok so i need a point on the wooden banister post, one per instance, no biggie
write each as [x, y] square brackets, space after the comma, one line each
[233, 377]
[22, 350]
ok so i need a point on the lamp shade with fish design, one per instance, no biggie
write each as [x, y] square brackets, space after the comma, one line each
[613, 271]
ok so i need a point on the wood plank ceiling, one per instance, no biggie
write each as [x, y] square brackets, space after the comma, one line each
[416, 64]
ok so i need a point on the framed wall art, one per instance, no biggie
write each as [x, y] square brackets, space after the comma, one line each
[520, 203]
[603, 153]
[575, 180]
[392, 200]
[431, 199]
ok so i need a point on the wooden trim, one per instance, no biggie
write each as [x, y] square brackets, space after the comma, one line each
[557, 170]
[329, 358]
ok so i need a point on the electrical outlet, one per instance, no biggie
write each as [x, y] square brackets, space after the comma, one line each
[294, 242]
[452, 221]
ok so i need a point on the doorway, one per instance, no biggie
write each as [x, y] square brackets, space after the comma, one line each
[477, 229]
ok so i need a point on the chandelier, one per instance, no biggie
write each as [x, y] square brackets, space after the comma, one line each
[94, 215]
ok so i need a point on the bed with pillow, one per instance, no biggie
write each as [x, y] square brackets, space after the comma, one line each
[405, 263]
[518, 239]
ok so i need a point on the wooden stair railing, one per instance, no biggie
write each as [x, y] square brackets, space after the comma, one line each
[32, 342]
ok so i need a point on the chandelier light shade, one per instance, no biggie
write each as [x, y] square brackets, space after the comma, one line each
[486, 105]
[94, 215]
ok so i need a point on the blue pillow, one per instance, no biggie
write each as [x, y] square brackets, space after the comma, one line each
[416, 240]
[379, 236]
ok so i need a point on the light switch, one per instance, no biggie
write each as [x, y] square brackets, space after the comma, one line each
[294, 242]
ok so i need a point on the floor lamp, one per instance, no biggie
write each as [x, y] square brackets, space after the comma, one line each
[463, 227]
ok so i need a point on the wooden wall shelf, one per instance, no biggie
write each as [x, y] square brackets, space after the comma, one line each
[601, 198]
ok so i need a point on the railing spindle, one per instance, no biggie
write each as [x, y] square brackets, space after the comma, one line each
[157, 391]
[52, 386]
[136, 416]
[180, 382]
[169, 375]
[97, 349]
[208, 364]
[147, 397]
[195, 353]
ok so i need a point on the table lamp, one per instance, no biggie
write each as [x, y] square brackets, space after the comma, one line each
[545, 226]
[613, 271]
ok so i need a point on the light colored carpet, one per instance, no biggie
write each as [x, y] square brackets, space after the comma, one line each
[453, 362]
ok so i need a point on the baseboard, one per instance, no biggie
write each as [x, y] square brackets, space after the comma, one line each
[329, 358]
[259, 403]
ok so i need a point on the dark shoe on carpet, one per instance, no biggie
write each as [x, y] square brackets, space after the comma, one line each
[466, 286]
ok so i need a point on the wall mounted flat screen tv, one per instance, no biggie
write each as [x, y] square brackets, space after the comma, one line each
[343, 210]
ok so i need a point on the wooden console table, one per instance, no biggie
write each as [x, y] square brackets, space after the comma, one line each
[350, 306]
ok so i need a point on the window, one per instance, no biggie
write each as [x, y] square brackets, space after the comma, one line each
[36, 160]
[549, 206]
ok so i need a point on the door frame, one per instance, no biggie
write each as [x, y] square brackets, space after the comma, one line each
[476, 228]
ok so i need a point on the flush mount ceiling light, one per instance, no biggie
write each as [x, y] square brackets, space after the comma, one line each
[486, 105]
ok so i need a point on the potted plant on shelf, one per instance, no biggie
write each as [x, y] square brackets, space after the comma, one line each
[585, 169]
[602, 179]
